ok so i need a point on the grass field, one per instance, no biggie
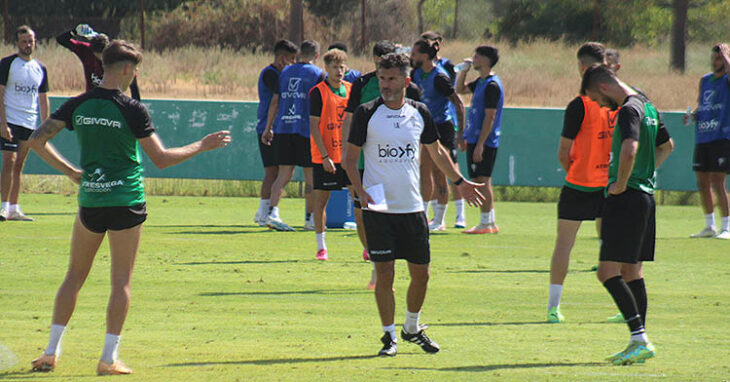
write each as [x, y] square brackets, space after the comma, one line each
[216, 298]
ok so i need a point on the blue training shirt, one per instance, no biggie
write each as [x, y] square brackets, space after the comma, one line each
[295, 82]
[713, 109]
[475, 119]
[265, 95]
[437, 102]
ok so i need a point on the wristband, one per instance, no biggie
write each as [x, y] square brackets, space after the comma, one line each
[460, 181]
[325, 156]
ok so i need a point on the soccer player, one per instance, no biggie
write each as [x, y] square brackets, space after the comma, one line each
[390, 131]
[287, 130]
[350, 74]
[583, 152]
[327, 102]
[438, 95]
[628, 230]
[89, 52]
[712, 142]
[285, 53]
[483, 128]
[110, 128]
[613, 60]
[23, 89]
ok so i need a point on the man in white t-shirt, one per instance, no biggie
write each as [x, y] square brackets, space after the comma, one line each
[389, 131]
[23, 88]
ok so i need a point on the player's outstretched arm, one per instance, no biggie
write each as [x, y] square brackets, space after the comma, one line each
[163, 157]
[468, 189]
[39, 143]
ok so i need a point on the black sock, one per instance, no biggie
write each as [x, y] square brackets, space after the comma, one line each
[638, 289]
[307, 215]
[271, 208]
[626, 303]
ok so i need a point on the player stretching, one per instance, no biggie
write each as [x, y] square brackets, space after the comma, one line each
[483, 128]
[327, 102]
[390, 131]
[110, 127]
[23, 89]
[285, 52]
[583, 152]
[628, 230]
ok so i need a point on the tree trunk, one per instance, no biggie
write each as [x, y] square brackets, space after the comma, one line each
[420, 16]
[596, 33]
[296, 21]
[679, 35]
[363, 25]
[455, 29]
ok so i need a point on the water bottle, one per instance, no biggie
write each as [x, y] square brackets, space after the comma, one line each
[462, 66]
[688, 117]
[85, 30]
[403, 50]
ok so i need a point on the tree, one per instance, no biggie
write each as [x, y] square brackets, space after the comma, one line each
[296, 21]
[679, 34]
[420, 15]
[455, 29]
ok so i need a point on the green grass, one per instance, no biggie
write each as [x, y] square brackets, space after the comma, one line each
[216, 298]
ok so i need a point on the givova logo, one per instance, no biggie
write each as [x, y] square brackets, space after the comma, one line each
[81, 120]
[391, 152]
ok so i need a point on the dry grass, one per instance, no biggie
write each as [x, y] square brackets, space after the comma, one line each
[536, 74]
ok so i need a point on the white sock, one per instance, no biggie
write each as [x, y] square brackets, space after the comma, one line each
[426, 203]
[411, 325]
[13, 208]
[460, 210]
[484, 219]
[111, 348]
[725, 223]
[391, 329]
[263, 206]
[320, 241]
[492, 217]
[433, 203]
[439, 212]
[274, 212]
[710, 221]
[5, 206]
[556, 291]
[640, 337]
[54, 342]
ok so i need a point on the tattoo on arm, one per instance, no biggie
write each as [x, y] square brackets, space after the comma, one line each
[48, 129]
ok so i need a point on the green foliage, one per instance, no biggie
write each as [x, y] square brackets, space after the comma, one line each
[336, 10]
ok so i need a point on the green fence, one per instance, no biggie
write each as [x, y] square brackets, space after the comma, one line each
[527, 154]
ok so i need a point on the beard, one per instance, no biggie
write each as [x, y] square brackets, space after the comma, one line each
[27, 51]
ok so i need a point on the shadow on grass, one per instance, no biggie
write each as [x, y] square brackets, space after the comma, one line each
[485, 368]
[275, 361]
[237, 262]
[501, 271]
[34, 376]
[289, 292]
[488, 323]
[51, 214]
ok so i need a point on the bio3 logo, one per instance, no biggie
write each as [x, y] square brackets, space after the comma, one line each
[27, 89]
[396, 152]
[81, 120]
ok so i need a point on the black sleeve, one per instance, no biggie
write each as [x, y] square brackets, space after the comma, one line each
[271, 80]
[359, 127]
[573, 119]
[355, 92]
[65, 39]
[44, 83]
[321, 78]
[491, 96]
[430, 133]
[5, 69]
[629, 121]
[65, 112]
[414, 92]
[472, 85]
[315, 102]
[443, 85]
[134, 89]
[662, 135]
[449, 67]
[139, 120]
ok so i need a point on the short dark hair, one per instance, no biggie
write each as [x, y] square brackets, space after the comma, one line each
[432, 35]
[594, 75]
[338, 45]
[121, 51]
[98, 43]
[716, 48]
[429, 47]
[614, 54]
[383, 47]
[395, 60]
[490, 52]
[284, 46]
[23, 29]
[595, 51]
[309, 48]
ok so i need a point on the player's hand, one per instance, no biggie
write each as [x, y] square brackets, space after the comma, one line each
[467, 64]
[688, 119]
[614, 190]
[461, 145]
[329, 165]
[365, 198]
[267, 137]
[6, 133]
[470, 192]
[725, 50]
[75, 176]
[215, 140]
[478, 153]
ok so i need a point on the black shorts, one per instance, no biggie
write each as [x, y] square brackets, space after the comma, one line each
[483, 168]
[20, 133]
[580, 205]
[101, 219]
[397, 236]
[447, 137]
[712, 157]
[324, 180]
[628, 231]
[292, 150]
[267, 154]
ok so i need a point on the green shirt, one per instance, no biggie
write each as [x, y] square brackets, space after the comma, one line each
[639, 120]
[107, 125]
